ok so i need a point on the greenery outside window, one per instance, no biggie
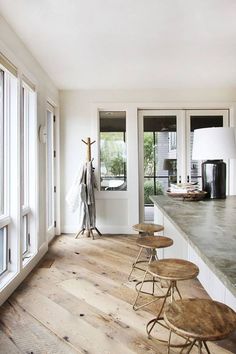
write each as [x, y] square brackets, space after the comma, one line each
[113, 151]
[160, 166]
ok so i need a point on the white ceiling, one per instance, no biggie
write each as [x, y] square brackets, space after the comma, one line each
[129, 44]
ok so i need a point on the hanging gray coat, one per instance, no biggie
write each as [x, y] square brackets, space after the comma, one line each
[81, 195]
[88, 208]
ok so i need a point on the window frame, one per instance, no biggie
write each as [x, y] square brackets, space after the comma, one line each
[202, 112]
[124, 140]
[28, 167]
[9, 147]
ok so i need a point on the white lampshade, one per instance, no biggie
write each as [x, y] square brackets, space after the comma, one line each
[214, 144]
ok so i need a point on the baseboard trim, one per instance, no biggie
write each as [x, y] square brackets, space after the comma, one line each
[109, 229]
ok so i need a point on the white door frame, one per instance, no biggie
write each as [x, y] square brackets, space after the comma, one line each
[203, 112]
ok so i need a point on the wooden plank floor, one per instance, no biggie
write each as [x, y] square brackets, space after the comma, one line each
[78, 300]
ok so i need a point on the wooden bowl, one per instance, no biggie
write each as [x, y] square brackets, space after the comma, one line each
[189, 196]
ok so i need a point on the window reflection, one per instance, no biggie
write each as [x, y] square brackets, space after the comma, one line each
[113, 150]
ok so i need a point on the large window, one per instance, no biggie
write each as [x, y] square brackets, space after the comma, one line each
[113, 151]
[18, 162]
[2, 142]
[7, 163]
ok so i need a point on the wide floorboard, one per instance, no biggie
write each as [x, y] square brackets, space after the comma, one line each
[78, 300]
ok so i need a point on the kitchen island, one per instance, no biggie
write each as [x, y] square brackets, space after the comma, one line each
[204, 232]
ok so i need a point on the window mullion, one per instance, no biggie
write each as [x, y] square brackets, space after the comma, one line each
[4, 221]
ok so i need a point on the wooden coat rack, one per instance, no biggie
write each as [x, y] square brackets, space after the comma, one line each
[88, 143]
[88, 232]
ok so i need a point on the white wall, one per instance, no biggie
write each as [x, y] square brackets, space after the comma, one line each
[118, 211]
[13, 48]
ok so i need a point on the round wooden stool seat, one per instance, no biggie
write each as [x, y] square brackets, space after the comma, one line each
[148, 228]
[201, 320]
[153, 242]
[173, 269]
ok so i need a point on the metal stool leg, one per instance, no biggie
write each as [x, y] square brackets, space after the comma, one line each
[137, 296]
[135, 262]
[199, 347]
[170, 292]
[168, 345]
[207, 349]
[177, 289]
[158, 317]
[191, 346]
[140, 288]
[185, 345]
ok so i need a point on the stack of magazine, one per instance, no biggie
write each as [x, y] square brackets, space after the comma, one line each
[183, 188]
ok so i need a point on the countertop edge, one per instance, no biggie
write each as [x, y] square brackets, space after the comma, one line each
[222, 277]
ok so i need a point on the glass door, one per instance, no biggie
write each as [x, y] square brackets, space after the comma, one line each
[160, 146]
[51, 187]
[196, 119]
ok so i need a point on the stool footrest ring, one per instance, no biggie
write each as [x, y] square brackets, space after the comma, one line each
[146, 292]
[163, 341]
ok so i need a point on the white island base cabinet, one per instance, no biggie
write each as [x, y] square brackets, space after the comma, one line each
[182, 249]
[214, 287]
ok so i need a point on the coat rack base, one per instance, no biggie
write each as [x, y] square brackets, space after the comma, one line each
[88, 232]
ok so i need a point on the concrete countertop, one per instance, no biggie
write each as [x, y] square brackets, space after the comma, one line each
[210, 228]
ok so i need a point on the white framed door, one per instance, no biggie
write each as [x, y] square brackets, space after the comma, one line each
[51, 172]
[174, 130]
[161, 146]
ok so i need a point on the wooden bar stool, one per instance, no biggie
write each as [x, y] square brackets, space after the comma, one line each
[151, 243]
[148, 229]
[145, 229]
[200, 320]
[172, 270]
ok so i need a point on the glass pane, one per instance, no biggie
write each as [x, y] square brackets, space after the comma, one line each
[24, 239]
[3, 250]
[160, 155]
[50, 182]
[25, 148]
[1, 143]
[113, 151]
[197, 122]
